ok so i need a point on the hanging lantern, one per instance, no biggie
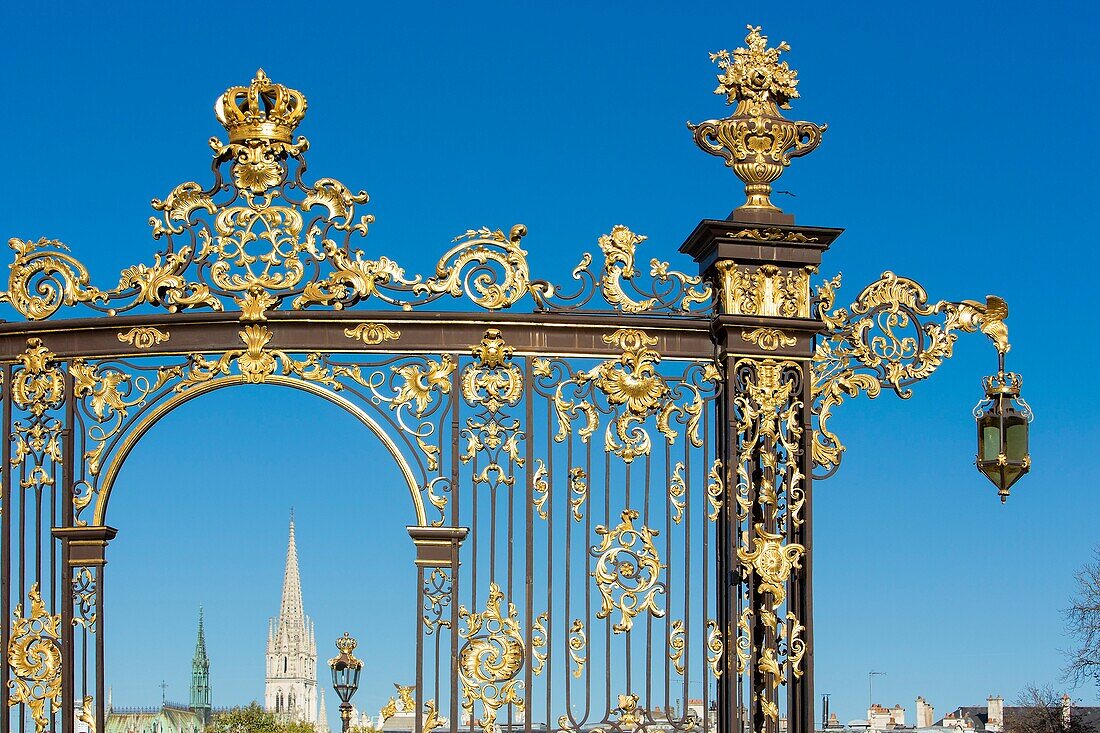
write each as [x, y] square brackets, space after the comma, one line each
[1003, 418]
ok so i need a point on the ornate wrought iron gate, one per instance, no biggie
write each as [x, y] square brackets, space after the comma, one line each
[611, 491]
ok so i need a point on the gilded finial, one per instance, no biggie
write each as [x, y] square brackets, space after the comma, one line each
[263, 110]
[756, 141]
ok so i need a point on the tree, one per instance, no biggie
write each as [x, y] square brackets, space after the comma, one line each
[253, 719]
[1083, 623]
[1039, 710]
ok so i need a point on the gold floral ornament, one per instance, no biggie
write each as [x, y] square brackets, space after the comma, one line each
[38, 386]
[772, 560]
[627, 572]
[34, 654]
[889, 337]
[490, 660]
[768, 339]
[494, 381]
[143, 337]
[256, 362]
[756, 141]
[372, 334]
[635, 391]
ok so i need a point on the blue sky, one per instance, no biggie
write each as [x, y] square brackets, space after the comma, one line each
[959, 152]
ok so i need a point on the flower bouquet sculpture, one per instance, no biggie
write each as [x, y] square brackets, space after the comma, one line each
[756, 140]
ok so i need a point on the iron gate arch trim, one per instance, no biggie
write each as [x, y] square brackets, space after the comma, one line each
[172, 401]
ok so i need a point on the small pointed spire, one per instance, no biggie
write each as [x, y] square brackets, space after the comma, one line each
[322, 716]
[200, 644]
[291, 616]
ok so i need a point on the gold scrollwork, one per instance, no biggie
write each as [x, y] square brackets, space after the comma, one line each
[479, 247]
[716, 648]
[627, 572]
[881, 340]
[796, 644]
[494, 381]
[671, 291]
[578, 491]
[34, 655]
[372, 334]
[538, 643]
[256, 362]
[540, 488]
[716, 490]
[618, 251]
[578, 647]
[743, 643]
[490, 659]
[143, 337]
[630, 716]
[431, 716]
[636, 391]
[418, 381]
[677, 645]
[405, 700]
[677, 490]
[772, 234]
[259, 237]
[45, 277]
[768, 339]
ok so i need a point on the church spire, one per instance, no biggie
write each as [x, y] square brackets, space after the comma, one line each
[291, 616]
[200, 674]
[291, 687]
[322, 717]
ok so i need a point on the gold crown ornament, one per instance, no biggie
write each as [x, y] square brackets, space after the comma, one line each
[263, 110]
[756, 140]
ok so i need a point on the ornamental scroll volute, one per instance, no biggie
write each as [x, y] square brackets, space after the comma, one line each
[34, 654]
[891, 336]
[490, 659]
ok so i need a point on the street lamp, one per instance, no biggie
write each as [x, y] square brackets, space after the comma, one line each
[1003, 418]
[345, 676]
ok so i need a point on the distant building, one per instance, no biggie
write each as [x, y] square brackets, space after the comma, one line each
[290, 690]
[171, 717]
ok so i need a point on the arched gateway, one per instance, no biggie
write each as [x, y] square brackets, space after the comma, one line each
[610, 488]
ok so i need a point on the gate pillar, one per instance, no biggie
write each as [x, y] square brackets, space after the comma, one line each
[436, 551]
[83, 557]
[764, 331]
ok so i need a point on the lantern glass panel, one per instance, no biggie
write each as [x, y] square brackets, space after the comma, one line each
[1016, 438]
[989, 437]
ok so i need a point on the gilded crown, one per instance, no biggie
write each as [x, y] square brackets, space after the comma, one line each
[262, 110]
[1006, 383]
[346, 643]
